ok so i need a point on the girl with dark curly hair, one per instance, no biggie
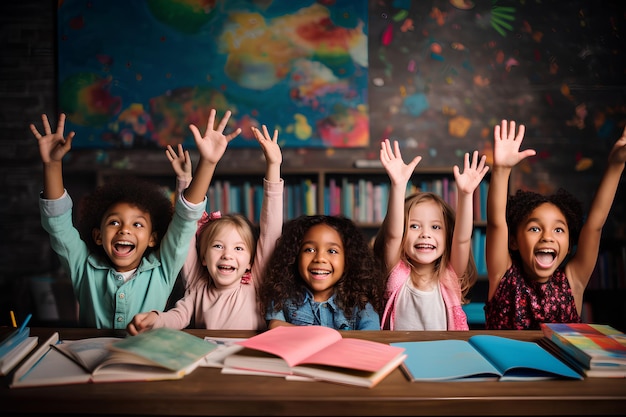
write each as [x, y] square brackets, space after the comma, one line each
[322, 272]
[534, 274]
[426, 247]
[132, 243]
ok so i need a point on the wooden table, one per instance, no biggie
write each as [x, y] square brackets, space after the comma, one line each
[207, 392]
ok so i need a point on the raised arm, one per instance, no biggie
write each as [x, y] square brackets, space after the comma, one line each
[580, 267]
[466, 183]
[399, 174]
[271, 217]
[52, 148]
[506, 155]
[211, 147]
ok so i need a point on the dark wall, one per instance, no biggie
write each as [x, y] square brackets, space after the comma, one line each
[27, 89]
[591, 66]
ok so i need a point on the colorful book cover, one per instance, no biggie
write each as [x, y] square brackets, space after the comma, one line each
[592, 345]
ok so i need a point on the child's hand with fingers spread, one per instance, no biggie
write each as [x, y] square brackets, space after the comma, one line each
[506, 151]
[181, 162]
[213, 144]
[473, 173]
[269, 144]
[52, 146]
[391, 158]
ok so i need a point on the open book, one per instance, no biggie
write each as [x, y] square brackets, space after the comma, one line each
[316, 352]
[156, 354]
[597, 350]
[482, 357]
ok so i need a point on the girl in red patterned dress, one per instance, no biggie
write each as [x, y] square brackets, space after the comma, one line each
[529, 237]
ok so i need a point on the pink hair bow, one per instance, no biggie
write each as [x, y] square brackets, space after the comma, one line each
[205, 219]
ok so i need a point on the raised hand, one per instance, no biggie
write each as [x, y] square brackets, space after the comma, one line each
[271, 150]
[213, 144]
[507, 143]
[181, 162]
[473, 173]
[52, 146]
[397, 170]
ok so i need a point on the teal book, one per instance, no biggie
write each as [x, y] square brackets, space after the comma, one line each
[481, 358]
[157, 354]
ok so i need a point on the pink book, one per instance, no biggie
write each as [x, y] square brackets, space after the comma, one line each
[317, 352]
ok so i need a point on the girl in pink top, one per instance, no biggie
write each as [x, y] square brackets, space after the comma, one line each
[426, 250]
[223, 270]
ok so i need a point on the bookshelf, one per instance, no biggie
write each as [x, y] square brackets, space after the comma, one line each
[360, 194]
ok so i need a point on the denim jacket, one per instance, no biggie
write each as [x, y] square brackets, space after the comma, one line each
[325, 313]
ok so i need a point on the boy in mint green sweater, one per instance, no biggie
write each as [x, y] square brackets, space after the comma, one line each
[130, 247]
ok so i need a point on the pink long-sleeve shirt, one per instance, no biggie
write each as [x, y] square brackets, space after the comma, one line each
[237, 307]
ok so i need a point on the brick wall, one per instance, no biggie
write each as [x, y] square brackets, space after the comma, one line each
[27, 89]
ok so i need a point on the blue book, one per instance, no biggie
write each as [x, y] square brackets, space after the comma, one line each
[16, 337]
[482, 357]
[258, 203]
[483, 189]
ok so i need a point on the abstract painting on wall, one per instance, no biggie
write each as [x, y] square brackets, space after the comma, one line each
[134, 75]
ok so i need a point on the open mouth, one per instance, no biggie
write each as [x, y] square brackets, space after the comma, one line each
[545, 257]
[123, 248]
[424, 246]
[226, 268]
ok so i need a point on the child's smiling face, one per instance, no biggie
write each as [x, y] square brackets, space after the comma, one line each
[227, 257]
[321, 260]
[125, 233]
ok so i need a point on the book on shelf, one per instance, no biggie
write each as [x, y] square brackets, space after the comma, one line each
[482, 357]
[156, 354]
[597, 350]
[315, 352]
[14, 346]
[478, 250]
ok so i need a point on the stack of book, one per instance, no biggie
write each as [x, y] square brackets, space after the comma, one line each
[15, 344]
[595, 350]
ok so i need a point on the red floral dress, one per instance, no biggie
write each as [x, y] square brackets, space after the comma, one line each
[521, 304]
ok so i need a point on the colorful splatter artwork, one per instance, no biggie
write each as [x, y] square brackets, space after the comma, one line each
[136, 74]
[444, 72]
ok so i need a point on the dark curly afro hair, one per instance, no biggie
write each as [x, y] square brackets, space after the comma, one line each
[522, 203]
[147, 196]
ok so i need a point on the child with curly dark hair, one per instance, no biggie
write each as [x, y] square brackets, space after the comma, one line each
[145, 195]
[132, 247]
[323, 272]
[534, 274]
